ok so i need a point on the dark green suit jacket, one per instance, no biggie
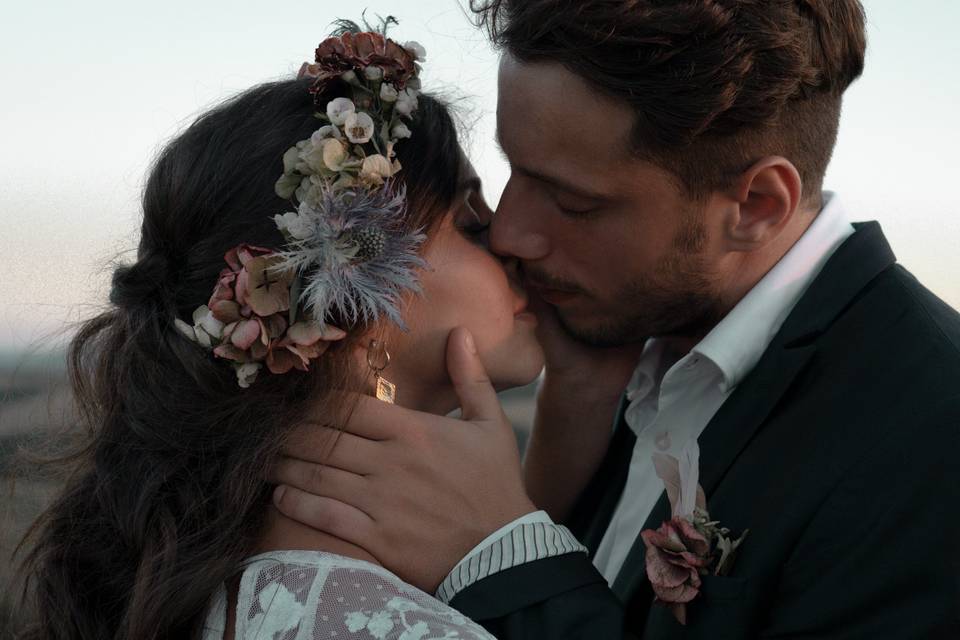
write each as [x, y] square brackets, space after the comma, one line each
[840, 452]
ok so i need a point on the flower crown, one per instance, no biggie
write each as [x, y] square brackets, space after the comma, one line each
[347, 255]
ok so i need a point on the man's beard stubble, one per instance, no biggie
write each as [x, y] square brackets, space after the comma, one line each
[677, 301]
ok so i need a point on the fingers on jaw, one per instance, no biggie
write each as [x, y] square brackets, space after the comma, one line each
[323, 480]
[324, 514]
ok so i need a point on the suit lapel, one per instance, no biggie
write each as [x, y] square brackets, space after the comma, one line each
[721, 442]
[858, 261]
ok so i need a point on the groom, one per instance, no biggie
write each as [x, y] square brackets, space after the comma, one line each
[665, 205]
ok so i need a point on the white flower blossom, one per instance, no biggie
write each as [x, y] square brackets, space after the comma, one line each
[388, 92]
[311, 158]
[247, 373]
[305, 148]
[376, 169]
[381, 623]
[418, 631]
[418, 50]
[205, 320]
[407, 102]
[373, 73]
[350, 77]
[185, 329]
[325, 133]
[402, 605]
[290, 160]
[297, 224]
[356, 621]
[339, 109]
[359, 128]
[279, 608]
[334, 154]
[206, 327]
[401, 131]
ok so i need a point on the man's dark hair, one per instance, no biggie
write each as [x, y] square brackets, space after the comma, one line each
[715, 84]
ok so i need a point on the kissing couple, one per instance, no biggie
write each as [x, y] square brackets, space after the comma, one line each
[748, 420]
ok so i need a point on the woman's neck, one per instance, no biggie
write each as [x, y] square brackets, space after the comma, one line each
[283, 534]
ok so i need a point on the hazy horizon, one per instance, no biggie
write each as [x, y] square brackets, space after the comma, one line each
[99, 87]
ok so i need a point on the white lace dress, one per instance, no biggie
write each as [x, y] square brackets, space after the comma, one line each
[309, 595]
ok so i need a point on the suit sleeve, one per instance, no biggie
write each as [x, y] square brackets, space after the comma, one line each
[562, 598]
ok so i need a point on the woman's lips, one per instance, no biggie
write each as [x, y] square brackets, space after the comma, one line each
[526, 316]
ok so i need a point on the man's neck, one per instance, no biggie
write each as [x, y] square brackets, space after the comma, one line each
[749, 268]
[745, 275]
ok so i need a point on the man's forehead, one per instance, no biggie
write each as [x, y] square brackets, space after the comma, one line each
[547, 101]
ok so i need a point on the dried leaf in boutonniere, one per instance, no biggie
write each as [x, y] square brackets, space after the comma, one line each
[689, 545]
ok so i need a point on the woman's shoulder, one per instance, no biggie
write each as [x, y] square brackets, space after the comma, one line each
[312, 594]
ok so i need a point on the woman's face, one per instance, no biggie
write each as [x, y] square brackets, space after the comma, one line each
[464, 285]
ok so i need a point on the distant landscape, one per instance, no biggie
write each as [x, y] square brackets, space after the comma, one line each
[36, 415]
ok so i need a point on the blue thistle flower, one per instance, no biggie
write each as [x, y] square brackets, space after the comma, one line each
[357, 261]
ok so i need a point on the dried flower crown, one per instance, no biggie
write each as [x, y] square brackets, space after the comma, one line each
[347, 253]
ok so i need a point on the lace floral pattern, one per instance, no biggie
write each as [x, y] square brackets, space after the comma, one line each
[308, 595]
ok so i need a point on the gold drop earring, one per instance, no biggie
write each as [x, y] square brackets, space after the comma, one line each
[379, 359]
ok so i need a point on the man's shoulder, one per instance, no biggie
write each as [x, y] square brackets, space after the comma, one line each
[886, 369]
[940, 319]
[901, 316]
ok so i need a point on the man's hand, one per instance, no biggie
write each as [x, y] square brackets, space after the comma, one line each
[576, 403]
[600, 372]
[415, 490]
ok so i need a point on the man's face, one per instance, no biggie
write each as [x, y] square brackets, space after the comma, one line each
[610, 241]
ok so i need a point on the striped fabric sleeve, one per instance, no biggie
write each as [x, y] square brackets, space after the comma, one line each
[522, 543]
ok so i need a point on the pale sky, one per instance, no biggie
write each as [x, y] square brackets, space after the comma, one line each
[95, 88]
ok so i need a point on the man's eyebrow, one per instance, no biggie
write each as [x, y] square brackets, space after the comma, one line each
[562, 184]
[552, 180]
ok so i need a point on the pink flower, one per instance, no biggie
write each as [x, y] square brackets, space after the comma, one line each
[241, 254]
[252, 285]
[677, 555]
[251, 299]
[222, 303]
[262, 288]
[302, 343]
[249, 339]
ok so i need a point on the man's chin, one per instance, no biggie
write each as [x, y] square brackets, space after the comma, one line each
[596, 330]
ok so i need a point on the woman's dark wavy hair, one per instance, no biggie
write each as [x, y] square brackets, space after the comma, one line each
[166, 496]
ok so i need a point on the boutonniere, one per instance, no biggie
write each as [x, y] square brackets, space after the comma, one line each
[688, 545]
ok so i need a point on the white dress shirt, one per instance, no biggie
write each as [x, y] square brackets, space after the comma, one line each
[672, 397]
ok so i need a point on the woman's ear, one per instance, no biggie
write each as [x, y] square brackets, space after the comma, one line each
[767, 196]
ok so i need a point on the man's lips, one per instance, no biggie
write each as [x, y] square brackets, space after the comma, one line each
[553, 296]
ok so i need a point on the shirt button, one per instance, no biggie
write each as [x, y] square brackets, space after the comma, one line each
[663, 441]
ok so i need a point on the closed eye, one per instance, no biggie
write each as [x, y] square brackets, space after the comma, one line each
[472, 225]
[474, 217]
[578, 213]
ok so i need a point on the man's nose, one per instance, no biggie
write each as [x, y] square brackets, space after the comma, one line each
[516, 230]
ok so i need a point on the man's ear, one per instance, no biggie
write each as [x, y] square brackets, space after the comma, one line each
[767, 196]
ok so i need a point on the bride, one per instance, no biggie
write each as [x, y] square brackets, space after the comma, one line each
[308, 242]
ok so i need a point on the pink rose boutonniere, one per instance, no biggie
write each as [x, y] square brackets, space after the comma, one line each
[689, 545]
